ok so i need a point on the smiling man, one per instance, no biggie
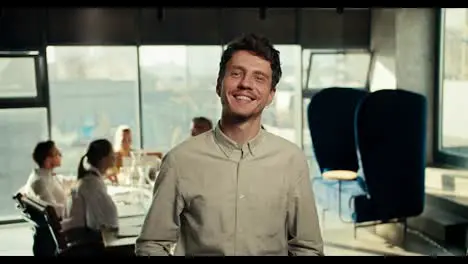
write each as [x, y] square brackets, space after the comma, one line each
[237, 190]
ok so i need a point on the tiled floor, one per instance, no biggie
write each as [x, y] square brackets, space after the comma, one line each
[16, 240]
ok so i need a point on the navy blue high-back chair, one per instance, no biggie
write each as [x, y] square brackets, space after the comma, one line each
[391, 139]
[331, 115]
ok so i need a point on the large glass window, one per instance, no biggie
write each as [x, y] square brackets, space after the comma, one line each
[454, 88]
[324, 69]
[383, 73]
[20, 130]
[307, 141]
[283, 116]
[177, 83]
[17, 77]
[93, 90]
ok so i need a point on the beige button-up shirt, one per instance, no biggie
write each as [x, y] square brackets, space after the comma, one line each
[218, 198]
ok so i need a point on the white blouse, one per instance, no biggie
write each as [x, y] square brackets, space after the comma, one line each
[91, 205]
[46, 187]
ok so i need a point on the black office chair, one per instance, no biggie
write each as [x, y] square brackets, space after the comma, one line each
[34, 212]
[44, 216]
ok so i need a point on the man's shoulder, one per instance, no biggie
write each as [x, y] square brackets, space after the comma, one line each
[36, 182]
[190, 145]
[283, 145]
[289, 154]
[34, 186]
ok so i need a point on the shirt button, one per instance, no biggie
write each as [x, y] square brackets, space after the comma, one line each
[241, 196]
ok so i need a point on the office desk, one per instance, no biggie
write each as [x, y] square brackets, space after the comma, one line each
[116, 245]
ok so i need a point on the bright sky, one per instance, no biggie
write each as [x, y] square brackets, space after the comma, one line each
[163, 54]
[455, 18]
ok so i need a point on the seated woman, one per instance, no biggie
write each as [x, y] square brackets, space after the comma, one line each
[122, 149]
[43, 185]
[122, 145]
[92, 209]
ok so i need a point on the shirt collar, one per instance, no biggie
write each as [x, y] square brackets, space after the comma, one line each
[228, 145]
[96, 171]
[43, 172]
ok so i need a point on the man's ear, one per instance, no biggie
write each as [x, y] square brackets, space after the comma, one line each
[271, 95]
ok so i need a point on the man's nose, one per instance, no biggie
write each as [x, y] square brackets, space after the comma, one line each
[246, 83]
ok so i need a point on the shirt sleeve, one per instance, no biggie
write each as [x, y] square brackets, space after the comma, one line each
[304, 232]
[160, 229]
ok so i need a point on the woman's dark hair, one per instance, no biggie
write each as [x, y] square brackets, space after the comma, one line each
[97, 150]
[42, 151]
[259, 46]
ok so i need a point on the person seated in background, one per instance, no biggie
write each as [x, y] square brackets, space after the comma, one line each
[122, 150]
[200, 125]
[92, 209]
[43, 185]
[122, 144]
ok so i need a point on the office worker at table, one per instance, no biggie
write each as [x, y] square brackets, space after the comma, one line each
[44, 185]
[92, 208]
[122, 149]
[237, 189]
[122, 144]
[42, 182]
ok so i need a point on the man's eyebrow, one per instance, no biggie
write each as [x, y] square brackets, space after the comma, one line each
[261, 73]
[238, 67]
[258, 72]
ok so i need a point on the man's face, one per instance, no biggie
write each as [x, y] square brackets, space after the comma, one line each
[199, 128]
[54, 159]
[246, 87]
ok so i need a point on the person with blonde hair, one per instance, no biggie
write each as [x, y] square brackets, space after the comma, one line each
[122, 144]
[122, 149]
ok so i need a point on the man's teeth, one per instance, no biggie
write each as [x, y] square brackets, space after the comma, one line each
[241, 97]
